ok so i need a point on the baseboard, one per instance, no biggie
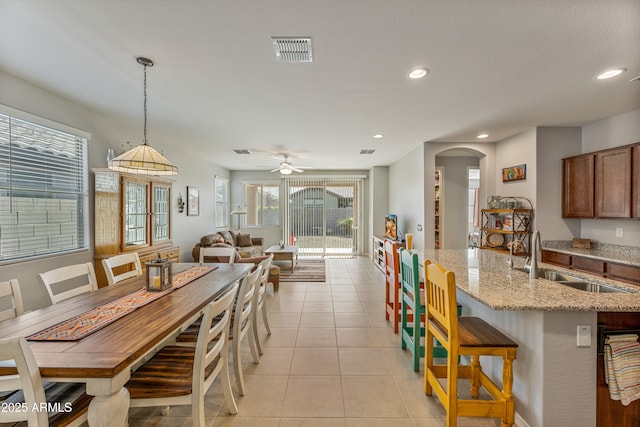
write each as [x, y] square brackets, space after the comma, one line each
[520, 422]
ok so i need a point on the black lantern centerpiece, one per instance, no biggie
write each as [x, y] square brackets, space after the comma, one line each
[159, 275]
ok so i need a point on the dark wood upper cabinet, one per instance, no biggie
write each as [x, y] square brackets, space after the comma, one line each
[602, 184]
[578, 186]
[613, 183]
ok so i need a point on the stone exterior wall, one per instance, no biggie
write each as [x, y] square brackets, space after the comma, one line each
[34, 226]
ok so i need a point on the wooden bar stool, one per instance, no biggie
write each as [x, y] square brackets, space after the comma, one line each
[469, 336]
[413, 309]
[392, 283]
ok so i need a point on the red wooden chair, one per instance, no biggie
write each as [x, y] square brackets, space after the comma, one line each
[392, 283]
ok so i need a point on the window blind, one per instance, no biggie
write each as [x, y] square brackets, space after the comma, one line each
[321, 215]
[43, 190]
[221, 202]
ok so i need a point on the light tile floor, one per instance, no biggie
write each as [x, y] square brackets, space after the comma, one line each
[332, 360]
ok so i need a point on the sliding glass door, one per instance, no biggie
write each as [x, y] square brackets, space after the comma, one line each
[322, 215]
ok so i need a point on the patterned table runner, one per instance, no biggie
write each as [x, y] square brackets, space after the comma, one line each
[90, 321]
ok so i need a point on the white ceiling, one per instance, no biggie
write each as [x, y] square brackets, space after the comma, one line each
[498, 66]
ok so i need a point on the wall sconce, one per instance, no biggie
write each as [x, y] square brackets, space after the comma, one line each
[180, 203]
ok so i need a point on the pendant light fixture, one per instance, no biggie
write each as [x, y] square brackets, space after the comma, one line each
[143, 159]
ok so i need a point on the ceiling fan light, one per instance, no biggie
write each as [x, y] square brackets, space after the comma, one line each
[285, 171]
[610, 73]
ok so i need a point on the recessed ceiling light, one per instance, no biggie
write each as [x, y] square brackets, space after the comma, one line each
[378, 136]
[482, 136]
[611, 73]
[418, 73]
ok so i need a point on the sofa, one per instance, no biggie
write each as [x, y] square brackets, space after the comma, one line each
[247, 247]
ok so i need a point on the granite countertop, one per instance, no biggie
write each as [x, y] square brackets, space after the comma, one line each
[629, 255]
[484, 275]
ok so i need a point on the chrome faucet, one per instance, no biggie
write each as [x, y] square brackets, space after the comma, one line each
[536, 245]
[512, 245]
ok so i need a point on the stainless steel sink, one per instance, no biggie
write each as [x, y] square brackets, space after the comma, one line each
[593, 287]
[553, 275]
[575, 282]
[556, 276]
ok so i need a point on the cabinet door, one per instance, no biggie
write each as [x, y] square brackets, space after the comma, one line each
[613, 183]
[135, 209]
[627, 273]
[557, 258]
[578, 183]
[587, 264]
[160, 213]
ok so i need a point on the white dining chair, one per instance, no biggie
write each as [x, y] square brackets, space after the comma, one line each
[260, 308]
[181, 375]
[61, 283]
[241, 326]
[128, 261]
[10, 291]
[30, 392]
[222, 253]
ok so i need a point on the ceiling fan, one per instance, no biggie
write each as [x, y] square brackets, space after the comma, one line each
[287, 168]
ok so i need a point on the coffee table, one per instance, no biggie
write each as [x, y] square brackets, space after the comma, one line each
[288, 253]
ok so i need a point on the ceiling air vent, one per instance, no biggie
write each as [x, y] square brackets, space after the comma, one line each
[241, 151]
[367, 151]
[292, 49]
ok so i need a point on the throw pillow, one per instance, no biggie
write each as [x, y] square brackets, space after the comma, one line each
[228, 238]
[234, 236]
[244, 240]
[209, 239]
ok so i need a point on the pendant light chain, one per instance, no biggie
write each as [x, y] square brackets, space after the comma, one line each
[145, 105]
[143, 159]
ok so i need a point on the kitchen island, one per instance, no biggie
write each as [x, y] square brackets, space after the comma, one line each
[554, 379]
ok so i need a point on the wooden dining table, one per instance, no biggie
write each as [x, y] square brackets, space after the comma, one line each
[104, 359]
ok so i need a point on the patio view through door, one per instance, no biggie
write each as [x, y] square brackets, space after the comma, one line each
[321, 215]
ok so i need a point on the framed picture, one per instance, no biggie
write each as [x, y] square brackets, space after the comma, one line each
[514, 173]
[193, 201]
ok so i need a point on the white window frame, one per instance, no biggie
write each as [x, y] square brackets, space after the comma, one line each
[74, 234]
[221, 208]
[248, 204]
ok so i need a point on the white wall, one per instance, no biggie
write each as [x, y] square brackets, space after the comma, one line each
[107, 133]
[407, 194]
[378, 203]
[614, 131]
[516, 150]
[554, 144]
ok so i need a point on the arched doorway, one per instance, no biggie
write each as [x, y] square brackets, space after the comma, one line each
[457, 197]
